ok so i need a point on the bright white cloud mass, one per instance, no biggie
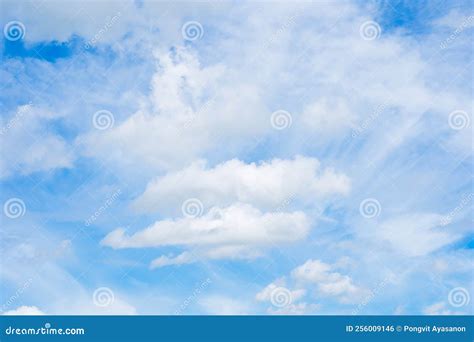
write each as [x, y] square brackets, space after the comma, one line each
[267, 185]
[274, 158]
[240, 224]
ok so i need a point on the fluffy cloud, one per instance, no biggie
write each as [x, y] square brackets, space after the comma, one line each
[313, 279]
[25, 310]
[223, 232]
[267, 292]
[189, 110]
[284, 301]
[267, 185]
[328, 282]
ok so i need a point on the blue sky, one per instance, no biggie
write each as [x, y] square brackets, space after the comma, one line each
[236, 158]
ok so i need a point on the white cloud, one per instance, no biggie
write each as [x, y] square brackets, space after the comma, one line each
[192, 109]
[25, 310]
[267, 185]
[312, 280]
[266, 293]
[327, 117]
[227, 232]
[237, 224]
[183, 258]
[415, 234]
[28, 146]
[313, 271]
[284, 301]
[189, 110]
[207, 253]
[328, 282]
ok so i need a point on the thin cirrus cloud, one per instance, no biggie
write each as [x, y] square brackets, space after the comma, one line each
[39, 150]
[422, 233]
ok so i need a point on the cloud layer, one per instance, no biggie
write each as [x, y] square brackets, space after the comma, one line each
[246, 155]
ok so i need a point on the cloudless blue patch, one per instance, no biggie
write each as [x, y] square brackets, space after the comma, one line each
[470, 242]
[49, 51]
[414, 17]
